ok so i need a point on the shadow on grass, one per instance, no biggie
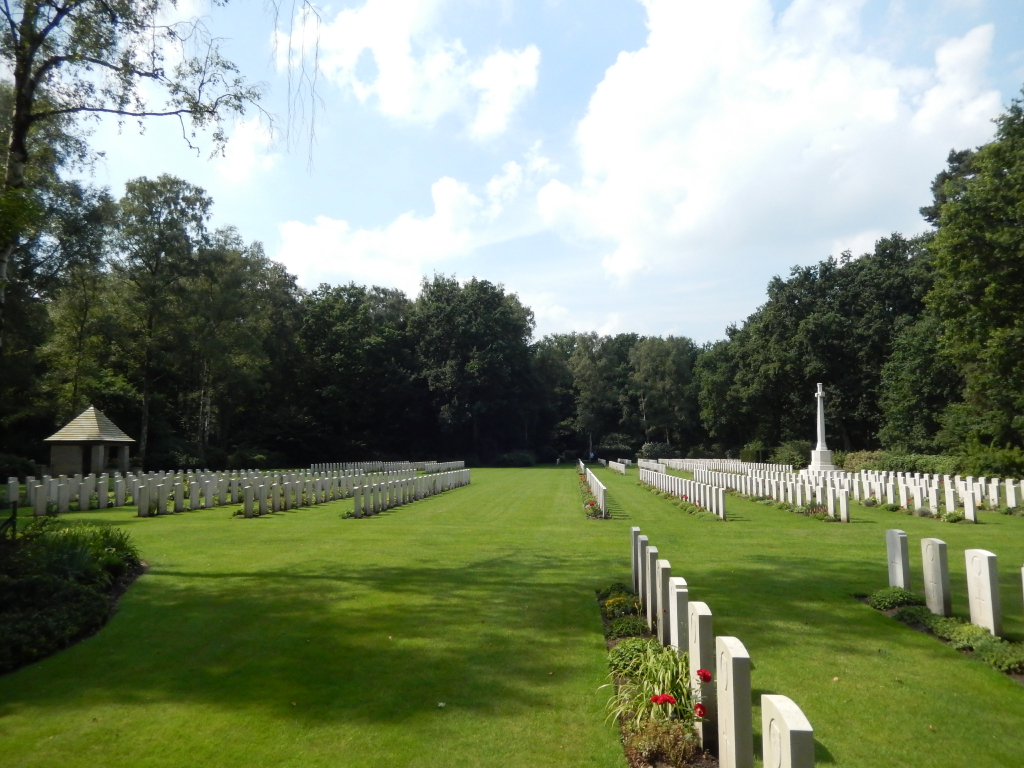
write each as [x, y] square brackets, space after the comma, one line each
[363, 644]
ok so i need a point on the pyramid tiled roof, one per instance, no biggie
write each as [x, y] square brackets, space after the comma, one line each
[89, 426]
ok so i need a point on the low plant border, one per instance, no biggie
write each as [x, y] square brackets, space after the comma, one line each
[682, 503]
[974, 641]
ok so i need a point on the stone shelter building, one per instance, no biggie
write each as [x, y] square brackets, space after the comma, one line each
[87, 444]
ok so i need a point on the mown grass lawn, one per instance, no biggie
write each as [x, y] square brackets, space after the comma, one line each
[782, 583]
[303, 639]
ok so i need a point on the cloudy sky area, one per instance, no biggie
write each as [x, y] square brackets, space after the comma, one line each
[621, 165]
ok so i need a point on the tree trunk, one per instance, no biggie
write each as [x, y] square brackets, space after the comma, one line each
[17, 159]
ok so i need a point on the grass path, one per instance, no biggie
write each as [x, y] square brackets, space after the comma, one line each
[782, 584]
[482, 598]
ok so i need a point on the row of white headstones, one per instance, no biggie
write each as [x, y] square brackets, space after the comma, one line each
[983, 595]
[727, 725]
[429, 467]
[373, 498]
[909, 490]
[596, 486]
[694, 491]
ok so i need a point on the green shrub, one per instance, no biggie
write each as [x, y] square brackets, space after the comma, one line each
[1004, 656]
[914, 614]
[979, 459]
[620, 605]
[654, 670]
[625, 657]
[960, 634]
[660, 742]
[42, 614]
[627, 626]
[615, 589]
[654, 451]
[15, 466]
[893, 597]
[516, 459]
[795, 452]
[869, 503]
[952, 517]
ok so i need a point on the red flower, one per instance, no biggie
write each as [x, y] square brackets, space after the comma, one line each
[699, 710]
[663, 698]
[704, 675]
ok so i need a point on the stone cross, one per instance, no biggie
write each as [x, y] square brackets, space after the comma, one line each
[820, 397]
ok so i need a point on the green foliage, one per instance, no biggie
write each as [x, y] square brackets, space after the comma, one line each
[40, 614]
[893, 597]
[979, 287]
[794, 452]
[53, 579]
[994, 651]
[990, 461]
[15, 466]
[616, 589]
[627, 656]
[627, 626]
[654, 451]
[658, 742]
[654, 670]
[516, 459]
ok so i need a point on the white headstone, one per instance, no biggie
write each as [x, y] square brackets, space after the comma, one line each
[899, 562]
[652, 586]
[642, 544]
[787, 738]
[634, 554]
[936, 577]
[679, 611]
[969, 509]
[663, 570]
[702, 657]
[735, 712]
[983, 590]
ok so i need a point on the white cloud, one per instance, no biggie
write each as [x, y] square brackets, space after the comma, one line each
[504, 80]
[247, 151]
[399, 254]
[387, 53]
[734, 131]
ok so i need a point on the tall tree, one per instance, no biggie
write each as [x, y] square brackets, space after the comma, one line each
[161, 224]
[979, 286]
[473, 344]
[93, 57]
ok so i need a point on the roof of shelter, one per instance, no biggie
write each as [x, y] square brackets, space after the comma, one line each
[90, 426]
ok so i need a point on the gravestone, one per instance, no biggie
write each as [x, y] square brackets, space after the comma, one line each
[193, 495]
[663, 573]
[701, 647]
[844, 506]
[983, 590]
[641, 593]
[679, 612]
[179, 497]
[735, 712]
[652, 586]
[634, 553]
[787, 739]
[899, 562]
[969, 509]
[142, 500]
[936, 577]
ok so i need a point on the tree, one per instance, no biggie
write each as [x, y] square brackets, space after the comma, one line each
[91, 57]
[918, 384]
[979, 286]
[160, 225]
[473, 346]
[662, 378]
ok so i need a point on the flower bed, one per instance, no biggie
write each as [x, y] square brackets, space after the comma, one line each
[651, 700]
[590, 501]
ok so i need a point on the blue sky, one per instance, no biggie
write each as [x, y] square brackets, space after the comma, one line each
[621, 165]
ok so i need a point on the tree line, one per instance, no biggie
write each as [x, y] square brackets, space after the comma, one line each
[208, 353]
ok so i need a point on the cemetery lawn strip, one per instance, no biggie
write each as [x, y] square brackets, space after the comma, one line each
[481, 598]
[782, 584]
